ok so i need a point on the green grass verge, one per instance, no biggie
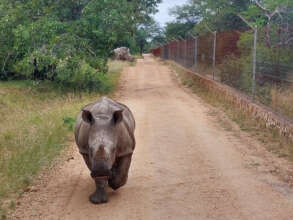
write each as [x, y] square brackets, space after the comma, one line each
[36, 124]
[271, 138]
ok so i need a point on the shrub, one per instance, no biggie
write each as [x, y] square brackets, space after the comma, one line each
[37, 66]
[79, 75]
[230, 71]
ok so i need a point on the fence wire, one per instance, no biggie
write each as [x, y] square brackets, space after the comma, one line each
[228, 57]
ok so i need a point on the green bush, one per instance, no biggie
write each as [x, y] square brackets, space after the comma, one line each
[43, 40]
[36, 66]
[77, 74]
[237, 72]
[230, 71]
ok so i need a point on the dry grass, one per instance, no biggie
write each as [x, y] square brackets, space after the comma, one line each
[282, 101]
[36, 124]
[116, 66]
[271, 138]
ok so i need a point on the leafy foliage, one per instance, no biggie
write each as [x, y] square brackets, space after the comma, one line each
[67, 41]
[178, 29]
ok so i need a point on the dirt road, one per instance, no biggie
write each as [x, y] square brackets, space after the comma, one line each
[185, 165]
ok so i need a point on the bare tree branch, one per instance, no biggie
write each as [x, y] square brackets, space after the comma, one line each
[261, 7]
[243, 19]
[270, 14]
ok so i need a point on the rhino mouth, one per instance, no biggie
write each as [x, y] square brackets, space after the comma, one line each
[101, 178]
[101, 174]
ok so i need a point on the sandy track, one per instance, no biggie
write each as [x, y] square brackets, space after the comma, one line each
[185, 166]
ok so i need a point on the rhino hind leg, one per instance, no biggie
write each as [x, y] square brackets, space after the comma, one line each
[120, 172]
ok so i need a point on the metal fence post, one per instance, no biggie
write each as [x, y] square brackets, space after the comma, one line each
[177, 48]
[254, 55]
[195, 53]
[214, 49]
[181, 51]
[195, 50]
[174, 48]
[168, 51]
[186, 53]
[214, 54]
[254, 63]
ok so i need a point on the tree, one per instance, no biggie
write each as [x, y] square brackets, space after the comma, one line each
[146, 33]
[187, 13]
[40, 39]
[186, 17]
[174, 29]
[268, 13]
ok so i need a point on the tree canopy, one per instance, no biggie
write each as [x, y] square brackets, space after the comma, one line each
[58, 39]
[222, 15]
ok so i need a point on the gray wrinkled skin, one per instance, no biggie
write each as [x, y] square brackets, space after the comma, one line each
[104, 134]
[123, 53]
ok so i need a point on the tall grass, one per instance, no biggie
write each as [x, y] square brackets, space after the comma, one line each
[282, 101]
[36, 123]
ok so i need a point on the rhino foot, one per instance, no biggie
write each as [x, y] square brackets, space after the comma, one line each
[99, 196]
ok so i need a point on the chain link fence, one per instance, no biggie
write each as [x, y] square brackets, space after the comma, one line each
[250, 61]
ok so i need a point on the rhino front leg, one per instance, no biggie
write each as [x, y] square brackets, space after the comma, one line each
[120, 172]
[87, 160]
[100, 195]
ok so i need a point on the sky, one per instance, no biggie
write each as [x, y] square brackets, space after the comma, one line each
[162, 16]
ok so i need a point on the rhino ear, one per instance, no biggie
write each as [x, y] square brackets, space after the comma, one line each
[87, 116]
[117, 116]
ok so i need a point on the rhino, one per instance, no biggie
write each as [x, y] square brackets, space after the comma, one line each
[104, 134]
[123, 53]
